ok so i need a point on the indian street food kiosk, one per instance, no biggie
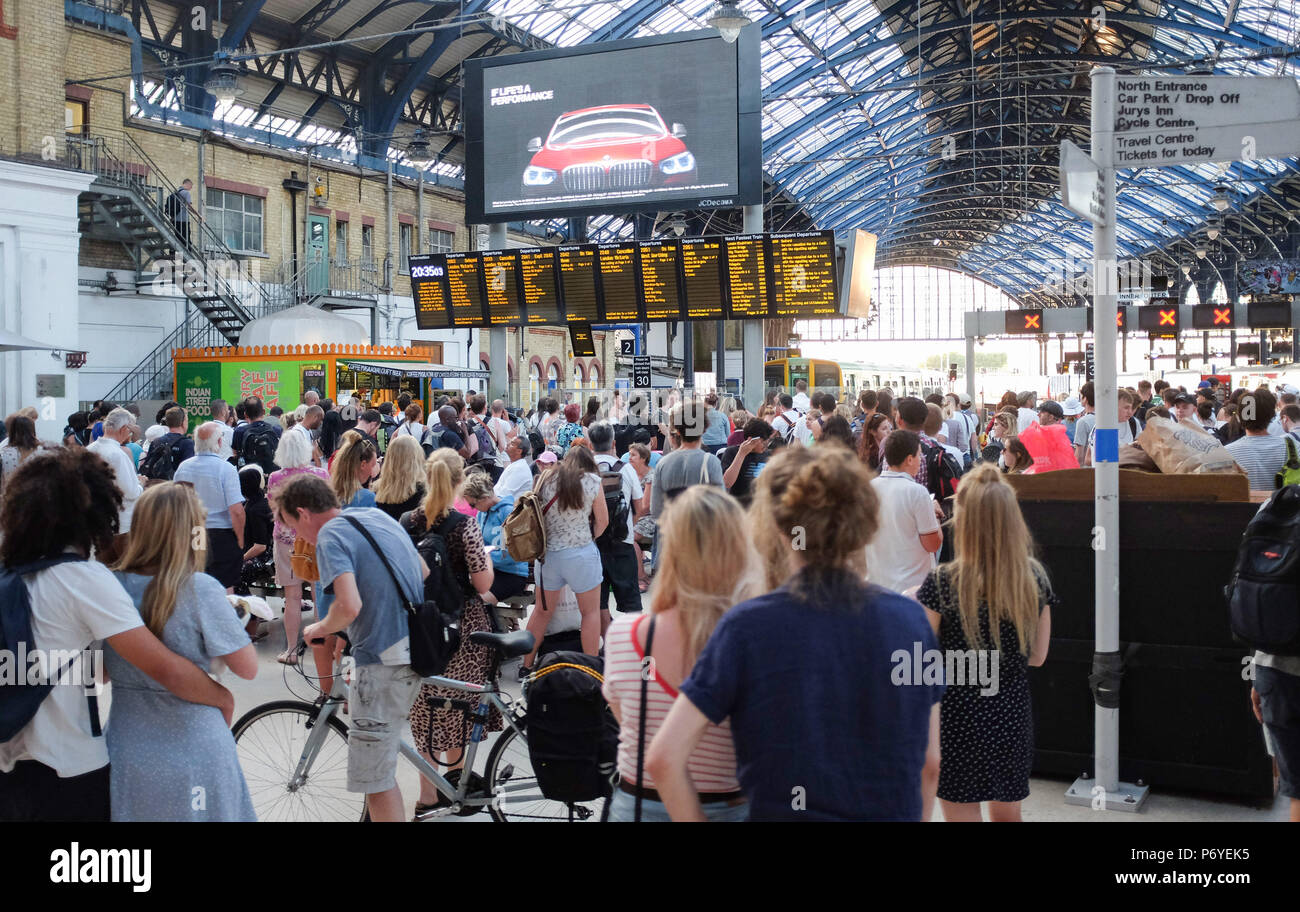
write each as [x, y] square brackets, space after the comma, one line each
[280, 374]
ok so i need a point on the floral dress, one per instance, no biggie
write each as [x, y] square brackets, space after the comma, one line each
[446, 729]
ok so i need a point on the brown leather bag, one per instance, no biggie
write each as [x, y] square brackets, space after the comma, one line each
[304, 561]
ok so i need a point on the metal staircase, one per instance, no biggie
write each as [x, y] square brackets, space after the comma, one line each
[126, 203]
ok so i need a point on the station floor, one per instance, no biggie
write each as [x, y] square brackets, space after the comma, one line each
[1045, 802]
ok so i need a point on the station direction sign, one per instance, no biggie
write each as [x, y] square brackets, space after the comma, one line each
[1181, 120]
[1081, 184]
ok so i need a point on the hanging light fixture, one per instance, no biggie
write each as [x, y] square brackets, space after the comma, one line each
[728, 19]
[1220, 199]
[223, 79]
[1212, 228]
[1186, 267]
[418, 153]
[1201, 251]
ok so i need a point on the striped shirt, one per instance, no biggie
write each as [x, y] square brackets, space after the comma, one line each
[712, 766]
[1261, 457]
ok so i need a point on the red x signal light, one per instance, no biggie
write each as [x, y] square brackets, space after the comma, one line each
[1033, 321]
[1169, 317]
[1119, 319]
[1223, 316]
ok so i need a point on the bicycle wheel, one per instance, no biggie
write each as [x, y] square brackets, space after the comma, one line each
[270, 741]
[509, 777]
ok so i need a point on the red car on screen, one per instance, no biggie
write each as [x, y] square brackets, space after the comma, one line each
[611, 147]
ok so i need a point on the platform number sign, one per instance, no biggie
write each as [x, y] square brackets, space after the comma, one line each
[641, 372]
[627, 347]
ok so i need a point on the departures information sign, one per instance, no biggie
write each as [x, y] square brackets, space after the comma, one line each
[742, 277]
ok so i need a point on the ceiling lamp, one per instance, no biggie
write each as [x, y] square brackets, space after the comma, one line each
[1201, 251]
[677, 225]
[1186, 267]
[418, 152]
[1220, 199]
[1212, 228]
[223, 79]
[728, 19]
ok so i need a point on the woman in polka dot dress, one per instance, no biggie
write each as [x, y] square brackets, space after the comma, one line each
[986, 729]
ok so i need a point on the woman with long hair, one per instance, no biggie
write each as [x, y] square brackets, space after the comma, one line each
[294, 457]
[440, 734]
[401, 479]
[874, 432]
[775, 665]
[1015, 457]
[1003, 428]
[575, 516]
[708, 564]
[592, 414]
[159, 746]
[20, 444]
[1009, 400]
[509, 576]
[885, 403]
[352, 466]
[836, 430]
[992, 600]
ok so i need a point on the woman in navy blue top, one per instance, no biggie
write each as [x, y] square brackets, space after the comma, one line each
[832, 717]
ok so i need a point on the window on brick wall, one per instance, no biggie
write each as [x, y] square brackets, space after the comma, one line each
[236, 218]
[368, 247]
[440, 241]
[404, 246]
[340, 242]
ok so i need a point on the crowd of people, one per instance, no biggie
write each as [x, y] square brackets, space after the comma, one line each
[791, 548]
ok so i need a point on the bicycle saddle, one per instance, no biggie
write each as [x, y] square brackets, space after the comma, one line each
[518, 643]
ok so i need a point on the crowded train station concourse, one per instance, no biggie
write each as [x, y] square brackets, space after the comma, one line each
[651, 410]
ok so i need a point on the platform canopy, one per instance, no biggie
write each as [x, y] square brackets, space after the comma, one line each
[417, 370]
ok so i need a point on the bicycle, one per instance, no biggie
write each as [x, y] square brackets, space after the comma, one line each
[294, 753]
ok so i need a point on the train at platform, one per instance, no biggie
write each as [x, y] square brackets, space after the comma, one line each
[847, 378]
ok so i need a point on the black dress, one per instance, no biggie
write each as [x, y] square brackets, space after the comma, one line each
[986, 740]
[396, 510]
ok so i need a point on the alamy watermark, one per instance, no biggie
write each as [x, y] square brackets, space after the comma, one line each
[24, 667]
[946, 666]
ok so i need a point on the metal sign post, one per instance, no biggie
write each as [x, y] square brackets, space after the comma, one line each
[1146, 121]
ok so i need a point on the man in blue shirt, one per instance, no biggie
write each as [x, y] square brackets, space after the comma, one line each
[217, 483]
[373, 611]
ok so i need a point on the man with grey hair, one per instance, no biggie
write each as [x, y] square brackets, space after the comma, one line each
[119, 425]
[217, 483]
[517, 478]
[221, 415]
[1026, 414]
[310, 398]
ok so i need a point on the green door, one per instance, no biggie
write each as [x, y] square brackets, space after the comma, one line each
[318, 265]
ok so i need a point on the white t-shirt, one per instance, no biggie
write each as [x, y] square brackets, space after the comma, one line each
[801, 402]
[895, 558]
[124, 471]
[1126, 434]
[1083, 429]
[783, 422]
[500, 429]
[73, 605]
[632, 490]
[515, 480]
[1025, 417]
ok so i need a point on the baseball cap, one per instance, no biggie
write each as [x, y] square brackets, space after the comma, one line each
[963, 400]
[1288, 389]
[1204, 384]
[547, 457]
[1073, 406]
[1052, 407]
[1184, 398]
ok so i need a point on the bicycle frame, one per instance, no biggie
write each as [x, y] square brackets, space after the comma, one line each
[458, 796]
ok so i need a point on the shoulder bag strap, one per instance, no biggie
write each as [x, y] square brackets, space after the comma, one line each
[640, 737]
[704, 467]
[365, 533]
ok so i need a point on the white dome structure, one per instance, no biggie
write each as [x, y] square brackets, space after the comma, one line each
[303, 325]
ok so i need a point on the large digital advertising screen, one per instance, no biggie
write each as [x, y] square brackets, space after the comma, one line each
[650, 124]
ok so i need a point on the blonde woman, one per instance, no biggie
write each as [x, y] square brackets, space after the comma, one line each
[160, 746]
[775, 665]
[440, 734]
[294, 457]
[996, 598]
[352, 466]
[708, 565]
[401, 480]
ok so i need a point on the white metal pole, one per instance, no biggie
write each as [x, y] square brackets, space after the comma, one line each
[498, 352]
[753, 359]
[1106, 473]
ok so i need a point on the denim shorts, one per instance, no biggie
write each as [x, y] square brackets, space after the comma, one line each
[622, 809]
[1279, 698]
[578, 568]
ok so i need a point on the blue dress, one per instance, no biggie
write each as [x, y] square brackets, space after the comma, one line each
[171, 760]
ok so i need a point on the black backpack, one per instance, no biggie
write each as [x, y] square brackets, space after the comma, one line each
[175, 205]
[487, 450]
[163, 457]
[1264, 593]
[942, 470]
[611, 483]
[434, 440]
[572, 735]
[20, 701]
[259, 447]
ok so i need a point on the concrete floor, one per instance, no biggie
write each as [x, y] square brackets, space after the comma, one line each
[1045, 802]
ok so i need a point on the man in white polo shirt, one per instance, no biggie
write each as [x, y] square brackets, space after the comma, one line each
[902, 552]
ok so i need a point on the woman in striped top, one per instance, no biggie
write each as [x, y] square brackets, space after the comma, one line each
[708, 565]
